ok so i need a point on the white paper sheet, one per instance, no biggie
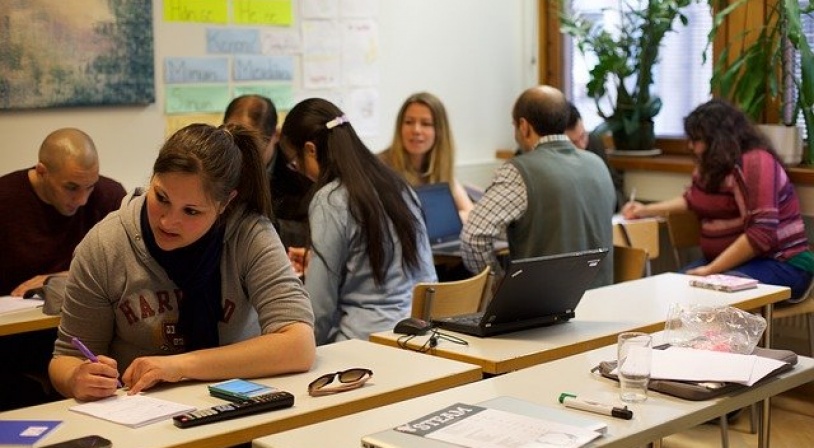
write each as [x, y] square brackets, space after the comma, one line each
[687, 364]
[9, 304]
[132, 410]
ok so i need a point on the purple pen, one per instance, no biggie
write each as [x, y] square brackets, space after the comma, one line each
[88, 354]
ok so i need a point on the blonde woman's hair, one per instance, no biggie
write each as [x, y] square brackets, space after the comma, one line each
[441, 155]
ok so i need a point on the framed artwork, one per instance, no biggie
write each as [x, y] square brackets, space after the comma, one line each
[75, 53]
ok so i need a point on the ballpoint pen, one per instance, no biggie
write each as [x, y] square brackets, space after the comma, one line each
[89, 354]
[632, 195]
[571, 401]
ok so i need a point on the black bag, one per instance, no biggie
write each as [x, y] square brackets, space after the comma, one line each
[697, 391]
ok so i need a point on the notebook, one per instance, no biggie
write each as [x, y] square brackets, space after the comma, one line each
[442, 219]
[392, 438]
[534, 292]
[132, 410]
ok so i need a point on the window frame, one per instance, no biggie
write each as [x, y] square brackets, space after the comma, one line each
[552, 52]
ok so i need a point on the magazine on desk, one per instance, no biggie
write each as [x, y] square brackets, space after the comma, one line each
[723, 282]
[501, 422]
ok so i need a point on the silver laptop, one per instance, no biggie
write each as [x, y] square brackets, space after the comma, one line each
[534, 292]
[391, 438]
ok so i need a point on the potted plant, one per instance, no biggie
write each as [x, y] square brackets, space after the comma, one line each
[625, 59]
[757, 68]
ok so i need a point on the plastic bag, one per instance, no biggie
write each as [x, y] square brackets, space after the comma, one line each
[726, 329]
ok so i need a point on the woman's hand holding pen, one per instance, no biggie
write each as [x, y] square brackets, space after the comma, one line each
[95, 380]
[633, 210]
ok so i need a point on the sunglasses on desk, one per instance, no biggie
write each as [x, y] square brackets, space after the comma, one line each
[347, 379]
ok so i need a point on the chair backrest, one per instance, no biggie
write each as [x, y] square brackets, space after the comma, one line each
[641, 233]
[684, 230]
[629, 263]
[435, 300]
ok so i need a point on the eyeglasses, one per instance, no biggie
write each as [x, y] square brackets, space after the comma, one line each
[349, 379]
[289, 157]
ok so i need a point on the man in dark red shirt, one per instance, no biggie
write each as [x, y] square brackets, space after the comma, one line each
[46, 211]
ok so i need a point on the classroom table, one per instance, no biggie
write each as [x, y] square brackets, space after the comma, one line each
[659, 416]
[603, 313]
[27, 320]
[397, 376]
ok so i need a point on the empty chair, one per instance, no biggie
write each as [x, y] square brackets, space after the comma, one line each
[434, 300]
[629, 263]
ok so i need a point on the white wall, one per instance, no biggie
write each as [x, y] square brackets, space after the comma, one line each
[476, 56]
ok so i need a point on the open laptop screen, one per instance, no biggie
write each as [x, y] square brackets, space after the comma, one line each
[440, 213]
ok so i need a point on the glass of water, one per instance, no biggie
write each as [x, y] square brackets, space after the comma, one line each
[633, 368]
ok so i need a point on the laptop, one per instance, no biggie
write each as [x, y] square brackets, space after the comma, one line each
[392, 438]
[442, 219]
[534, 292]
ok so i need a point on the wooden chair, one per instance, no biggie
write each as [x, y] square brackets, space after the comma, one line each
[638, 233]
[434, 300]
[684, 230]
[629, 263]
[802, 308]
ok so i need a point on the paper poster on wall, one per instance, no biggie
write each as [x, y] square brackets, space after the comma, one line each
[282, 95]
[268, 68]
[232, 41]
[320, 72]
[200, 11]
[359, 8]
[319, 9]
[362, 107]
[321, 37]
[280, 41]
[262, 12]
[196, 99]
[176, 122]
[195, 70]
[360, 53]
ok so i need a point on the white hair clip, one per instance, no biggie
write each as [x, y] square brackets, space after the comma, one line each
[336, 122]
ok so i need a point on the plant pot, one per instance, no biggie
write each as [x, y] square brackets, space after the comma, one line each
[787, 141]
[641, 139]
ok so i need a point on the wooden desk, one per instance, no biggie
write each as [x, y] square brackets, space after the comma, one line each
[398, 375]
[26, 320]
[601, 315]
[658, 417]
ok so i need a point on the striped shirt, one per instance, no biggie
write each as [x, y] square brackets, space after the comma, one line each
[757, 199]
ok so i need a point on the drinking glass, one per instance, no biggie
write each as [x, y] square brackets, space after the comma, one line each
[634, 357]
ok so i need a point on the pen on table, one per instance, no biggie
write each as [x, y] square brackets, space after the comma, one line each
[571, 401]
[88, 354]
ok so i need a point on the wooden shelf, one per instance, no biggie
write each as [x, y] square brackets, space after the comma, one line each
[684, 165]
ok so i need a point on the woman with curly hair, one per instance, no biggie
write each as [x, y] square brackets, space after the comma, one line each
[749, 212]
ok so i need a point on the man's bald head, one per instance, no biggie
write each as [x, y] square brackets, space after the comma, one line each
[68, 170]
[68, 145]
[544, 108]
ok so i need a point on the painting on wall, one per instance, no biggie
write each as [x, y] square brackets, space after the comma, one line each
[75, 53]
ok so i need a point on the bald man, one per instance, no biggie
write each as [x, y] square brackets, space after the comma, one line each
[48, 209]
[550, 199]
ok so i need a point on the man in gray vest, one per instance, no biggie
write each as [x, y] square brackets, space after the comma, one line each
[550, 199]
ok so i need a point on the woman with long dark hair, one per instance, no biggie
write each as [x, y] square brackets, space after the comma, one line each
[368, 239]
[749, 212]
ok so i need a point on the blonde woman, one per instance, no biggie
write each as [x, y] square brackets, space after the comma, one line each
[423, 150]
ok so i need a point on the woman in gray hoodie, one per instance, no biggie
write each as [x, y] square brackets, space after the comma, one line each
[187, 280]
